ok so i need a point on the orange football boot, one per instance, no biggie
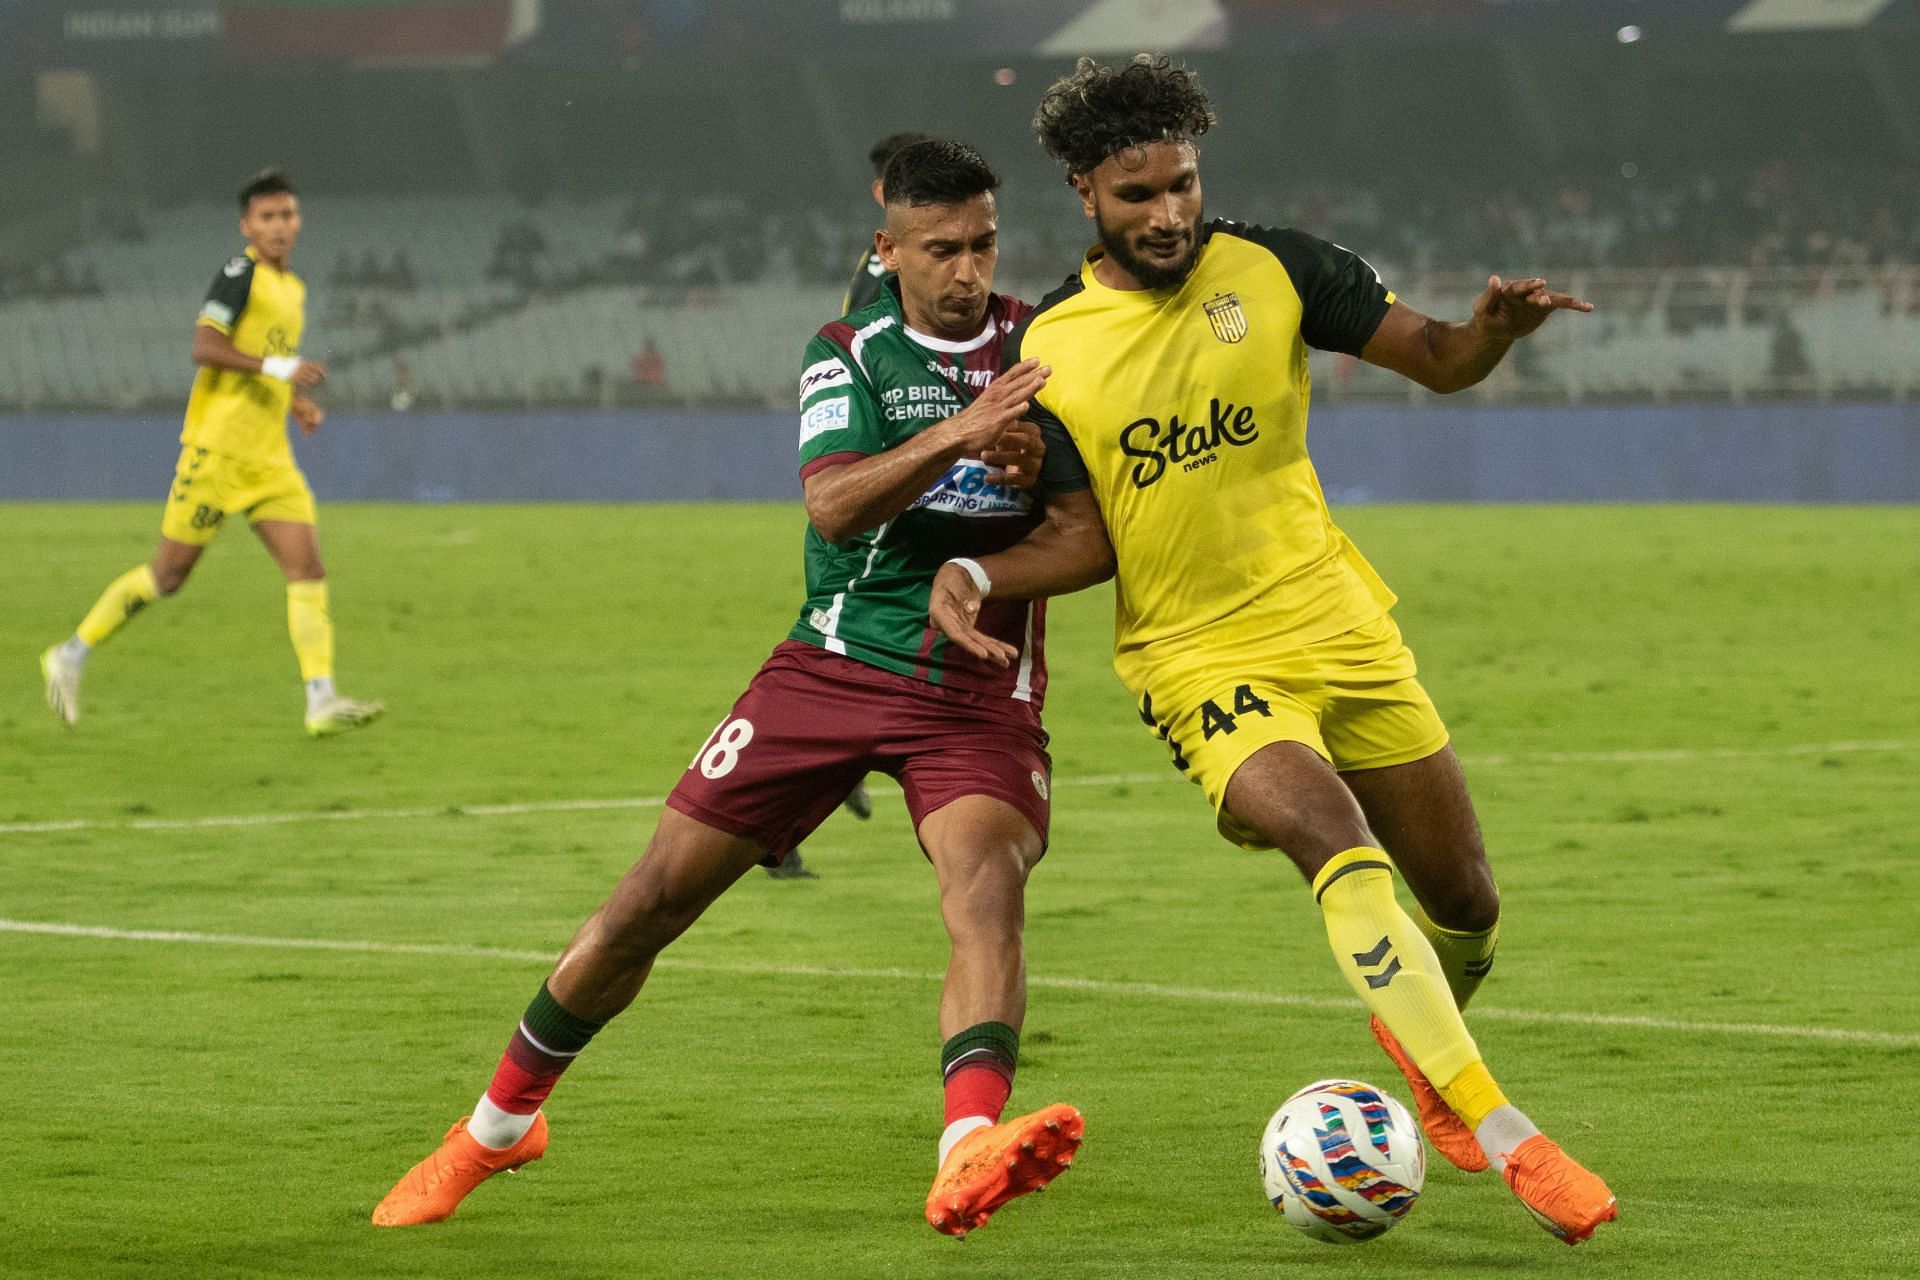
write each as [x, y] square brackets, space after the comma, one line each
[1446, 1131]
[995, 1163]
[434, 1188]
[1561, 1195]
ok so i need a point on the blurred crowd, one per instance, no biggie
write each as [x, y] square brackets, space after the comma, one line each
[1772, 217]
[1762, 218]
[366, 271]
[49, 282]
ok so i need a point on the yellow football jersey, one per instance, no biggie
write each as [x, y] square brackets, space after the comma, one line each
[244, 415]
[1186, 412]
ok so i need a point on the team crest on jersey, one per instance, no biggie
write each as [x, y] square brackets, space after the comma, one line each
[1228, 320]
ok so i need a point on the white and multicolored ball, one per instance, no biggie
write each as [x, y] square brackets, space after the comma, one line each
[1342, 1161]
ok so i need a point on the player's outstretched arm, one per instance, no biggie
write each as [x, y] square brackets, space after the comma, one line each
[1068, 552]
[851, 498]
[1448, 356]
[213, 349]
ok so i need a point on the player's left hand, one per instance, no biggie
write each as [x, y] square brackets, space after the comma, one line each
[1511, 309]
[1016, 456]
[308, 414]
[954, 609]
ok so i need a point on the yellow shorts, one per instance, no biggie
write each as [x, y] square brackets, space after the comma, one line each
[1353, 698]
[209, 487]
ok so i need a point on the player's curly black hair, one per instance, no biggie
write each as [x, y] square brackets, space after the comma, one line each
[267, 182]
[1099, 111]
[936, 171]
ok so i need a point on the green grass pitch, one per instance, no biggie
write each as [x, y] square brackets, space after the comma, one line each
[1694, 736]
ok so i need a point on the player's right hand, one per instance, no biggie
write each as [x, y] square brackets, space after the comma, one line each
[998, 407]
[308, 414]
[954, 609]
[310, 373]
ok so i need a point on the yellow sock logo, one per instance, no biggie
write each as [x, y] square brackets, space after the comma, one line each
[1382, 953]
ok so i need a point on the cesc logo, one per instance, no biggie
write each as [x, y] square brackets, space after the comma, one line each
[1159, 444]
[829, 415]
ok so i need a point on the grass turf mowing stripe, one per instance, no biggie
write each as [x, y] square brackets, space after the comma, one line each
[1493, 760]
[1142, 990]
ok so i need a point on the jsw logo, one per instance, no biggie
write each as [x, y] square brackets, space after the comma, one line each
[1158, 444]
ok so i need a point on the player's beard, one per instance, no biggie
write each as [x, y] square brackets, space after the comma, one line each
[1151, 275]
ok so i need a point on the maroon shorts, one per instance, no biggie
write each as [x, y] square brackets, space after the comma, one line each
[812, 724]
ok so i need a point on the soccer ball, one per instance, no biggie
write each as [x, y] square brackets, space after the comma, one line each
[1342, 1161]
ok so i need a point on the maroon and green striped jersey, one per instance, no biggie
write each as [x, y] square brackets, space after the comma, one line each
[870, 383]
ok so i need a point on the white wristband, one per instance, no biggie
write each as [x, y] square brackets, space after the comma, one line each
[981, 582]
[281, 367]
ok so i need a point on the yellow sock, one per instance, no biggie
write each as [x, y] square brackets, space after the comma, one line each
[1466, 958]
[1472, 1094]
[1390, 965]
[127, 595]
[311, 627]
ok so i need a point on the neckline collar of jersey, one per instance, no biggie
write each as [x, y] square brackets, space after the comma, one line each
[259, 261]
[974, 343]
[1150, 297]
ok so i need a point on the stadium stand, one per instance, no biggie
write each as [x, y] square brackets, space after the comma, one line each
[1764, 282]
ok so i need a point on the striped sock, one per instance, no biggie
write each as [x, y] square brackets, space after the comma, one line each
[125, 596]
[1391, 966]
[978, 1066]
[1466, 956]
[543, 1046]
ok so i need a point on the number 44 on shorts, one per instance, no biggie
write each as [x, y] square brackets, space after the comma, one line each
[722, 749]
[1245, 702]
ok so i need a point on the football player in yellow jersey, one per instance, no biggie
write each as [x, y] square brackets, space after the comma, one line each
[1255, 637]
[235, 460]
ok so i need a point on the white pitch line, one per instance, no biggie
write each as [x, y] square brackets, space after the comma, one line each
[335, 815]
[886, 790]
[1137, 990]
[1683, 755]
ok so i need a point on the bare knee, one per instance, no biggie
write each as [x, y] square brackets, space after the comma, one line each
[171, 565]
[986, 881]
[299, 559]
[168, 576]
[1290, 797]
[304, 569]
[1467, 903]
[983, 895]
[1311, 835]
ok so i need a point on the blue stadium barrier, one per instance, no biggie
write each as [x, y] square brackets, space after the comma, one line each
[1366, 453]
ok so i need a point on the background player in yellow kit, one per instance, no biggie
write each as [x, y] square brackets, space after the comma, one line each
[1255, 637]
[235, 459]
